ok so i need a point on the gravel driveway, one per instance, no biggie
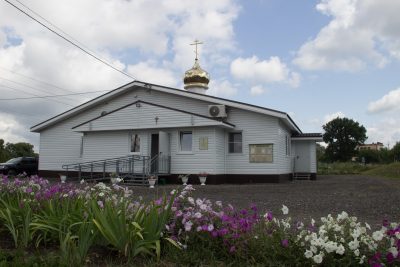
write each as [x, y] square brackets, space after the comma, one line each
[371, 199]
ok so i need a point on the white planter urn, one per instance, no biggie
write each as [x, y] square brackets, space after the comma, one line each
[152, 182]
[203, 180]
[185, 180]
[63, 178]
[115, 180]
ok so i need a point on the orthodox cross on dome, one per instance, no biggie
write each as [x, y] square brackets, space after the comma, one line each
[196, 42]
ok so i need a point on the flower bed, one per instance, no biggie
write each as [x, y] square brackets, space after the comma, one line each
[77, 219]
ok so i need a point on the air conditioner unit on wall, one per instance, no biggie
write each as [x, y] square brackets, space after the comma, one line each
[217, 111]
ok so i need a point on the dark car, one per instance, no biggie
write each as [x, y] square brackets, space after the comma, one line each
[19, 165]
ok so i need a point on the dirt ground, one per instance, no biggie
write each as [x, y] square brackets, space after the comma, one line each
[371, 199]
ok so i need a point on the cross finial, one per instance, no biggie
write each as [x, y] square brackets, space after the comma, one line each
[196, 42]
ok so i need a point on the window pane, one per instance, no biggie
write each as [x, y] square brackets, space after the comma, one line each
[235, 143]
[261, 153]
[135, 143]
[186, 141]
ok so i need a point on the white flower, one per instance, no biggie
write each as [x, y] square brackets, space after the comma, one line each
[357, 252]
[340, 250]
[199, 201]
[308, 254]
[198, 229]
[377, 235]
[285, 210]
[394, 251]
[101, 194]
[188, 226]
[218, 203]
[197, 215]
[172, 192]
[318, 258]
[256, 237]
[210, 227]
[362, 259]
[191, 200]
[82, 181]
[312, 222]
[203, 206]
[330, 246]
[342, 216]
[313, 249]
[397, 235]
[367, 225]
[353, 245]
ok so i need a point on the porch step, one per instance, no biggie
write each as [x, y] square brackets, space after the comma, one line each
[301, 176]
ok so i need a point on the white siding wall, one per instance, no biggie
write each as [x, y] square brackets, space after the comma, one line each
[256, 129]
[285, 161]
[220, 147]
[60, 145]
[183, 162]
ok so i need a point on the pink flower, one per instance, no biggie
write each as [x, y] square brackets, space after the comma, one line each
[285, 243]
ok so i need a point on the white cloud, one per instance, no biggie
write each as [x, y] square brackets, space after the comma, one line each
[222, 88]
[149, 72]
[386, 131]
[389, 102]
[257, 90]
[263, 71]
[123, 33]
[10, 129]
[360, 33]
[329, 117]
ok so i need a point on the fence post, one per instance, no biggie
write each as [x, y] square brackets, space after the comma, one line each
[79, 173]
[117, 168]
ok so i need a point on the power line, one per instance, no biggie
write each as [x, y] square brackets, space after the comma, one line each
[71, 42]
[36, 80]
[49, 96]
[29, 86]
[17, 89]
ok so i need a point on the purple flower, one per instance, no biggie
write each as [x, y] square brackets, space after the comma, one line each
[214, 233]
[232, 249]
[100, 203]
[390, 257]
[28, 190]
[268, 216]
[285, 243]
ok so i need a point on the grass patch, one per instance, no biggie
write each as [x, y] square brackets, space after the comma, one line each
[389, 170]
[340, 168]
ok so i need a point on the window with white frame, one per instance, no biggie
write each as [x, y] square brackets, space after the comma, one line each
[261, 153]
[185, 140]
[135, 143]
[235, 142]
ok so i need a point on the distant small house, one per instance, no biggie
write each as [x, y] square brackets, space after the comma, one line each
[374, 146]
[141, 128]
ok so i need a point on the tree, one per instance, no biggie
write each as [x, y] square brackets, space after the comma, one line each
[20, 150]
[395, 152]
[4, 155]
[320, 153]
[342, 136]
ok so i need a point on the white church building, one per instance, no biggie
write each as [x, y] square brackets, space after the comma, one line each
[143, 129]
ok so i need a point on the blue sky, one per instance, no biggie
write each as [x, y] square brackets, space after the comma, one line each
[315, 60]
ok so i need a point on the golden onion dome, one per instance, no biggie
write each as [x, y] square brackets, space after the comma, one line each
[196, 77]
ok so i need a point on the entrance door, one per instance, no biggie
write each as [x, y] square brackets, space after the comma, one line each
[154, 152]
[302, 157]
[164, 152]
